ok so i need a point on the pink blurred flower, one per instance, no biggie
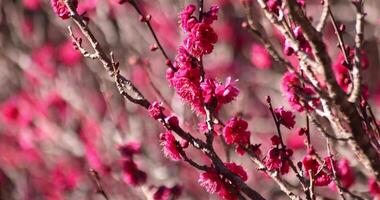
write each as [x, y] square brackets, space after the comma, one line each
[68, 55]
[129, 149]
[292, 89]
[131, 174]
[33, 5]
[374, 189]
[260, 57]
[344, 173]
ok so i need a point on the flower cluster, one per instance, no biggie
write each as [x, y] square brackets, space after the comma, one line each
[278, 158]
[155, 110]
[342, 72]
[166, 193]
[61, 9]
[285, 117]
[214, 183]
[235, 132]
[300, 98]
[216, 94]
[131, 173]
[302, 42]
[311, 165]
[186, 75]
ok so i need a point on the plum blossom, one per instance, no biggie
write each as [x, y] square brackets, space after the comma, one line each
[211, 181]
[155, 110]
[60, 8]
[278, 159]
[169, 146]
[284, 117]
[235, 132]
[321, 178]
[238, 170]
[292, 89]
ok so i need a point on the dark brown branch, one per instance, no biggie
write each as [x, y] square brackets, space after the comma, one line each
[96, 179]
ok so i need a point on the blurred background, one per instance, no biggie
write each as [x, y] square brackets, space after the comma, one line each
[61, 114]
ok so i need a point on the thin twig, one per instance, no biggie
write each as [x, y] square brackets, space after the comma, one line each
[151, 29]
[99, 188]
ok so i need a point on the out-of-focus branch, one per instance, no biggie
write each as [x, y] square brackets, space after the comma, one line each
[356, 69]
[361, 144]
[255, 27]
[335, 177]
[318, 48]
[323, 19]
[99, 188]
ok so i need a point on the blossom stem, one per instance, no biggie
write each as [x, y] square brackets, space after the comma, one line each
[151, 29]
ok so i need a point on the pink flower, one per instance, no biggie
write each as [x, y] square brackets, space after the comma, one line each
[131, 174]
[187, 20]
[235, 132]
[68, 55]
[260, 57]
[284, 117]
[169, 146]
[292, 89]
[165, 193]
[238, 170]
[302, 42]
[342, 73]
[210, 16]
[129, 149]
[211, 181]
[60, 8]
[186, 79]
[226, 193]
[172, 120]
[200, 36]
[311, 164]
[344, 173]
[216, 94]
[274, 6]
[227, 92]
[275, 140]
[374, 188]
[155, 110]
[33, 5]
[278, 159]
[200, 40]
